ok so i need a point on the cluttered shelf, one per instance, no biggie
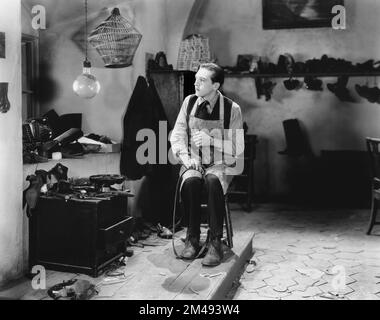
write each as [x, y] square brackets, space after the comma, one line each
[84, 166]
[251, 66]
[300, 75]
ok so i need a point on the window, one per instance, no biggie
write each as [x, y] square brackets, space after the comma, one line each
[29, 71]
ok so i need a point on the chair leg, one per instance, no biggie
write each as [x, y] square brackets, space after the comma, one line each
[372, 219]
[228, 225]
[229, 219]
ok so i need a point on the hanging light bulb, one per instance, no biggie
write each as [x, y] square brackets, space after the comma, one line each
[86, 85]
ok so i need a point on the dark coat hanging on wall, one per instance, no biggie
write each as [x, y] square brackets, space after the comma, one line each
[162, 177]
[136, 117]
[145, 111]
[158, 114]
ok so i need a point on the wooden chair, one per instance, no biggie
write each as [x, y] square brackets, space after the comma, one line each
[374, 153]
[241, 189]
[228, 224]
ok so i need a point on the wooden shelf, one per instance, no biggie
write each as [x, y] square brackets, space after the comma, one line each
[280, 75]
[300, 75]
[169, 71]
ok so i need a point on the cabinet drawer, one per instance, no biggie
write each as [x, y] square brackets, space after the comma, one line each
[118, 232]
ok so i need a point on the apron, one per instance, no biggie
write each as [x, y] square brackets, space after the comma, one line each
[208, 154]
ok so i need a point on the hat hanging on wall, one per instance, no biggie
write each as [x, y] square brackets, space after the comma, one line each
[2, 44]
[264, 87]
[116, 40]
[340, 89]
[372, 94]
[312, 83]
[293, 84]
[4, 102]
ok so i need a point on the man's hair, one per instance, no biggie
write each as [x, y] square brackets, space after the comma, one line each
[217, 72]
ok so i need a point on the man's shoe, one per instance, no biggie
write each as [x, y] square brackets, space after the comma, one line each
[214, 254]
[191, 248]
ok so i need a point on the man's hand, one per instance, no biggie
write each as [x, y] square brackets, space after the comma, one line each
[202, 139]
[193, 164]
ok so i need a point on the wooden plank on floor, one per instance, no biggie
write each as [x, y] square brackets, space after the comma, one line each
[243, 252]
[205, 283]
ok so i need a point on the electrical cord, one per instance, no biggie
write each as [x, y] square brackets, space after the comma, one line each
[175, 209]
[112, 269]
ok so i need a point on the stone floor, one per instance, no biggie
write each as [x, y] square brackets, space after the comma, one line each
[152, 272]
[300, 254]
[310, 254]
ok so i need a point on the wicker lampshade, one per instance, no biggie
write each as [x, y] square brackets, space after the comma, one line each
[116, 40]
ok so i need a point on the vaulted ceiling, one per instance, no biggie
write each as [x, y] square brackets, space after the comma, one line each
[60, 12]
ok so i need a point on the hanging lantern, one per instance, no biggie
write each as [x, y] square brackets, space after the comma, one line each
[116, 40]
[86, 85]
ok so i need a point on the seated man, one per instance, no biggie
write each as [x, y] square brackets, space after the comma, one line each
[207, 151]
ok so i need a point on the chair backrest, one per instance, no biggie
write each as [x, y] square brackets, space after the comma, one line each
[374, 153]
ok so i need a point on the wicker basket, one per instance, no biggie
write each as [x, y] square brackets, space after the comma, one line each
[116, 40]
[193, 51]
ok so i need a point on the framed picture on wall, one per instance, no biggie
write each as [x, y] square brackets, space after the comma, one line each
[2, 45]
[289, 14]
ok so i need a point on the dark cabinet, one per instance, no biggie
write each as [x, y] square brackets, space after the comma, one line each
[78, 235]
[173, 87]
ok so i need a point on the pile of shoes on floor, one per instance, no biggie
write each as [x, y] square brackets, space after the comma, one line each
[147, 234]
[74, 289]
